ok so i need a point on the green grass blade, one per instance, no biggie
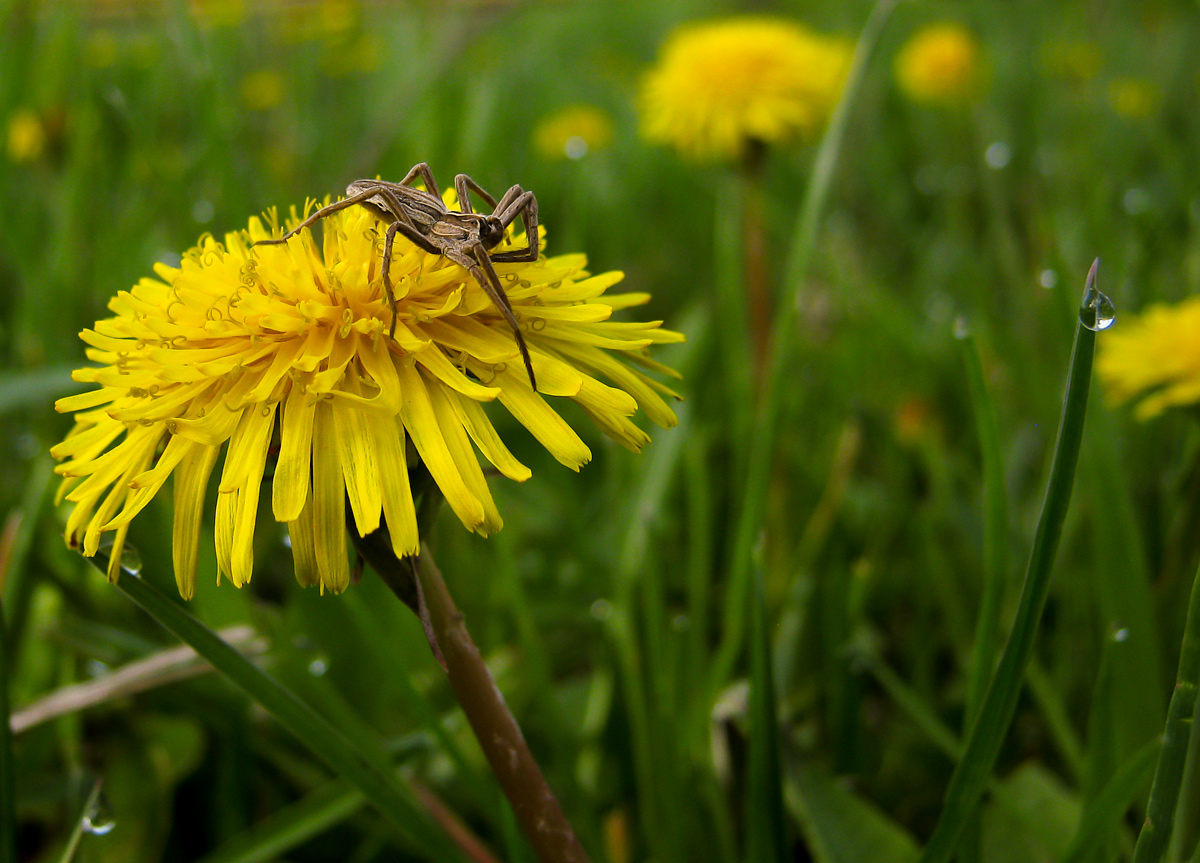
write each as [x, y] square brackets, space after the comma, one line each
[286, 829]
[840, 827]
[8, 784]
[395, 802]
[1110, 805]
[995, 533]
[1164, 793]
[36, 387]
[766, 837]
[762, 440]
[971, 776]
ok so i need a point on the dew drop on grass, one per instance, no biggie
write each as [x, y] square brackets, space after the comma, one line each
[131, 558]
[98, 817]
[1097, 311]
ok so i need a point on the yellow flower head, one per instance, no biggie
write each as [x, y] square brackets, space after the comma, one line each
[282, 352]
[26, 136]
[262, 89]
[940, 65]
[1133, 98]
[572, 133]
[722, 84]
[1156, 355]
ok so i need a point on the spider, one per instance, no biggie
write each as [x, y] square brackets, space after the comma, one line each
[465, 237]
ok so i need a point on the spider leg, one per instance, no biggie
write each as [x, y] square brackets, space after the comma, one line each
[384, 275]
[320, 214]
[464, 185]
[421, 169]
[523, 204]
[481, 268]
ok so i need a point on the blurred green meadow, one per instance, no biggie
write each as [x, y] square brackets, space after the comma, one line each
[602, 607]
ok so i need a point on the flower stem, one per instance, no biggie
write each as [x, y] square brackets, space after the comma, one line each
[754, 251]
[1164, 793]
[536, 808]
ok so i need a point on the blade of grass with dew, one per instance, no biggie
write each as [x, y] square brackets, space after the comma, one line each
[8, 783]
[970, 777]
[395, 803]
[762, 439]
[1168, 775]
[766, 834]
[1109, 806]
[89, 806]
[286, 829]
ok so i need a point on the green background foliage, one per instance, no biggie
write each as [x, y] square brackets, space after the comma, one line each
[601, 605]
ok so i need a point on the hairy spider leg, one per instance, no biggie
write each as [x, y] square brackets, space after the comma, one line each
[464, 185]
[483, 271]
[404, 226]
[525, 205]
[421, 169]
[321, 214]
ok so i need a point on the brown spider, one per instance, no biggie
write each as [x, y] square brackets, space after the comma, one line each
[464, 237]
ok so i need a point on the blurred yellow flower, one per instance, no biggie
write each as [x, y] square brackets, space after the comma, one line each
[218, 13]
[1133, 98]
[262, 89]
[940, 65]
[720, 85]
[1155, 355]
[26, 136]
[282, 352]
[572, 133]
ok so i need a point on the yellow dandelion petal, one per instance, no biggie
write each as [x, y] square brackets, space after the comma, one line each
[1155, 356]
[720, 86]
[204, 356]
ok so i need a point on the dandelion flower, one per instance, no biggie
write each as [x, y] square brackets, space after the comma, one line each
[1155, 355]
[282, 353]
[1133, 98]
[721, 85]
[26, 137]
[940, 65]
[262, 90]
[572, 133]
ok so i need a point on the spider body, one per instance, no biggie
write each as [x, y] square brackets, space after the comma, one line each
[465, 237]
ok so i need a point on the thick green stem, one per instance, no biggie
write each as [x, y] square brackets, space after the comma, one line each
[536, 808]
[1164, 793]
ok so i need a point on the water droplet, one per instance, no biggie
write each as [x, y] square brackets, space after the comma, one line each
[602, 609]
[997, 155]
[131, 558]
[1135, 201]
[576, 147]
[98, 817]
[681, 623]
[1097, 311]
[1121, 634]
[1048, 279]
[962, 330]
[318, 666]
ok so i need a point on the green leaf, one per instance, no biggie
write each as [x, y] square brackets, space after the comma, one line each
[36, 387]
[766, 837]
[1030, 819]
[394, 801]
[840, 827]
[1105, 812]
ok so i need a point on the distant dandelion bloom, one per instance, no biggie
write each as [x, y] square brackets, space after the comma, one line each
[940, 65]
[718, 86]
[26, 136]
[282, 352]
[262, 89]
[572, 133]
[1133, 98]
[1156, 356]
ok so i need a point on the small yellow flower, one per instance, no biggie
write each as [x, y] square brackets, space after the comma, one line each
[26, 137]
[940, 65]
[720, 85]
[282, 352]
[1155, 355]
[262, 89]
[1133, 98]
[572, 133]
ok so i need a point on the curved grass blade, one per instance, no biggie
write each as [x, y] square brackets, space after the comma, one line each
[1110, 805]
[766, 836]
[762, 442]
[394, 802]
[971, 776]
[1164, 793]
